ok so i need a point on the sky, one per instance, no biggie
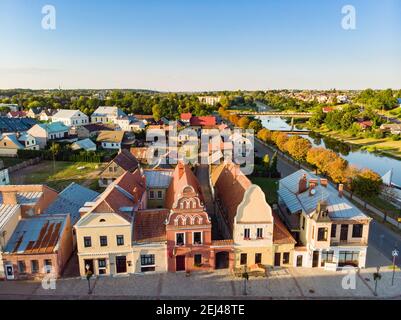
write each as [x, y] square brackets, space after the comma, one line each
[194, 45]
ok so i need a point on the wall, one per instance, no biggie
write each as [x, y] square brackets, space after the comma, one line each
[158, 249]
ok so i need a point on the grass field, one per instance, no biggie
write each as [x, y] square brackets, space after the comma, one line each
[60, 174]
[269, 187]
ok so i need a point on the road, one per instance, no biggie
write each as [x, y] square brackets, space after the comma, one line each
[382, 240]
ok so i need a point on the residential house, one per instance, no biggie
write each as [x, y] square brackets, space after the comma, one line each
[129, 123]
[10, 143]
[70, 118]
[10, 214]
[211, 100]
[331, 232]
[111, 139]
[122, 162]
[34, 113]
[92, 130]
[365, 124]
[47, 114]
[39, 245]
[107, 115]
[393, 128]
[45, 132]
[140, 153]
[145, 118]
[16, 114]
[104, 232]
[33, 199]
[11, 106]
[249, 221]
[85, 144]
[16, 124]
[157, 183]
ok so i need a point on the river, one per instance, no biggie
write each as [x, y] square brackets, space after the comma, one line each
[353, 154]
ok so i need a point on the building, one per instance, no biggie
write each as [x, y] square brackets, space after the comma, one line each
[33, 199]
[129, 123]
[330, 231]
[122, 162]
[92, 130]
[34, 113]
[104, 232]
[16, 124]
[10, 214]
[10, 143]
[39, 245]
[45, 132]
[111, 139]
[4, 177]
[249, 220]
[365, 124]
[140, 153]
[157, 183]
[47, 114]
[145, 118]
[16, 114]
[211, 100]
[393, 128]
[70, 118]
[107, 115]
[85, 144]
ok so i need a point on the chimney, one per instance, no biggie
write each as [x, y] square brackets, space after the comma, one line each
[312, 185]
[180, 169]
[9, 197]
[340, 190]
[324, 182]
[303, 184]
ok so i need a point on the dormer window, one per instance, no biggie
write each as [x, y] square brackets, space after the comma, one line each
[102, 220]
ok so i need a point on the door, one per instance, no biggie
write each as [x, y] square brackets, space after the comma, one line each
[315, 262]
[344, 232]
[222, 260]
[277, 259]
[9, 272]
[179, 263]
[121, 264]
[89, 266]
[299, 261]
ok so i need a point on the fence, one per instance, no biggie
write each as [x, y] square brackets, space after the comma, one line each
[24, 164]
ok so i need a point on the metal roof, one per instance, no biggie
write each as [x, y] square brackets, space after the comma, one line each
[339, 207]
[38, 234]
[26, 197]
[6, 212]
[70, 201]
[16, 124]
[85, 144]
[158, 178]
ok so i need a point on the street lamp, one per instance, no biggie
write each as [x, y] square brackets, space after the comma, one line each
[88, 277]
[377, 276]
[245, 275]
[395, 255]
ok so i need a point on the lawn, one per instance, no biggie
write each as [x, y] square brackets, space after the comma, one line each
[269, 187]
[60, 174]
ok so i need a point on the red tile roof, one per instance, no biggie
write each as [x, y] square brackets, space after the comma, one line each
[203, 121]
[149, 225]
[186, 116]
[17, 114]
[281, 235]
[126, 160]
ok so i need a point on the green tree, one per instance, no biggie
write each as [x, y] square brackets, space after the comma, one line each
[273, 166]
[55, 150]
[266, 163]
[157, 113]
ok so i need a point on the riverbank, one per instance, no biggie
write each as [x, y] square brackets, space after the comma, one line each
[383, 146]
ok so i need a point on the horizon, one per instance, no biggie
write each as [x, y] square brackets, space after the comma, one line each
[183, 46]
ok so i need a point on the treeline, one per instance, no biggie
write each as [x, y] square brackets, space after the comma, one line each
[378, 99]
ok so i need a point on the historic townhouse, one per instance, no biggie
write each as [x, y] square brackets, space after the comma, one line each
[107, 115]
[247, 217]
[157, 183]
[70, 118]
[331, 232]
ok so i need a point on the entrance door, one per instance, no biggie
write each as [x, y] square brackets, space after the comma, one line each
[299, 261]
[121, 264]
[315, 261]
[222, 259]
[90, 264]
[277, 259]
[344, 232]
[179, 263]
[9, 272]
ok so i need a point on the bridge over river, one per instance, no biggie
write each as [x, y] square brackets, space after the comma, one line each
[272, 113]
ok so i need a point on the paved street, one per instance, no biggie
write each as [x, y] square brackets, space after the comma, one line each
[292, 283]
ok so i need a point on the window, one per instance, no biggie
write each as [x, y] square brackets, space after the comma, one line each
[243, 258]
[327, 256]
[357, 230]
[34, 266]
[247, 234]
[322, 234]
[120, 240]
[258, 258]
[259, 233]
[348, 258]
[21, 267]
[159, 194]
[102, 266]
[197, 237]
[286, 258]
[333, 230]
[87, 242]
[313, 232]
[147, 259]
[48, 266]
[179, 239]
[197, 259]
[103, 241]
[111, 169]
[303, 222]
[151, 194]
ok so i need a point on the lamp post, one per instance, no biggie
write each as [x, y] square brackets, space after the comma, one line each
[245, 275]
[395, 255]
[88, 277]
[377, 276]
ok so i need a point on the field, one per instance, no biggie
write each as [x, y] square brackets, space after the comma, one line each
[269, 187]
[59, 174]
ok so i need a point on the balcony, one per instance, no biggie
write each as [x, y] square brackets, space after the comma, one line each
[349, 243]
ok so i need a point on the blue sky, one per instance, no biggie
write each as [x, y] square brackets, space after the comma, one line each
[180, 45]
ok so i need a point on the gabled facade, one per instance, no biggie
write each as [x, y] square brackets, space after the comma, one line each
[107, 115]
[45, 132]
[70, 118]
[10, 143]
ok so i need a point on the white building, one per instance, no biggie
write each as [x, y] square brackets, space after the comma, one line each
[107, 115]
[70, 118]
[43, 132]
[129, 123]
[85, 144]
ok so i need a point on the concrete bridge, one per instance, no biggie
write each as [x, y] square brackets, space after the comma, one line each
[272, 113]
